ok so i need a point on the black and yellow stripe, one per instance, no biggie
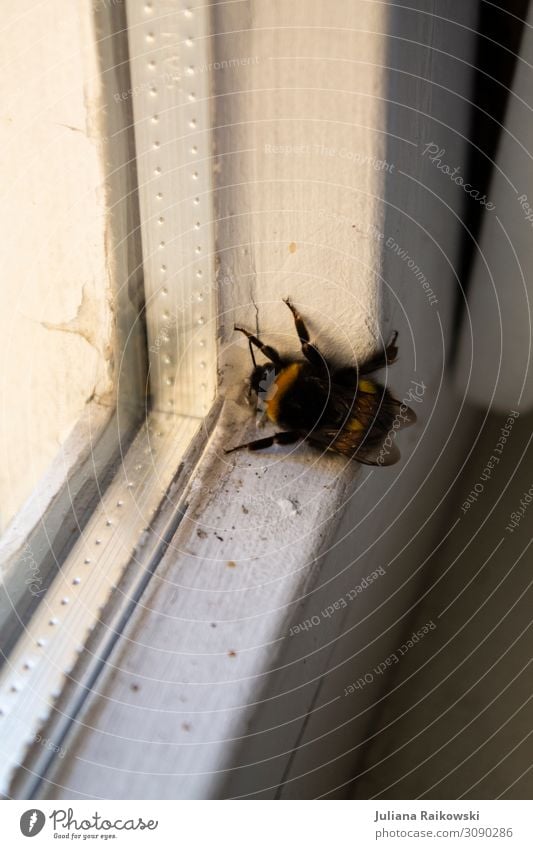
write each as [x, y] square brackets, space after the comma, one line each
[283, 382]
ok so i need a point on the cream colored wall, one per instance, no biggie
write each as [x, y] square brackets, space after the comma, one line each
[300, 146]
[55, 325]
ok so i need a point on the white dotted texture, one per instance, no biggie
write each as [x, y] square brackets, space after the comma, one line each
[170, 89]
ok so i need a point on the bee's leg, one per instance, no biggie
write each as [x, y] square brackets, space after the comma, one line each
[285, 437]
[309, 350]
[386, 357]
[270, 353]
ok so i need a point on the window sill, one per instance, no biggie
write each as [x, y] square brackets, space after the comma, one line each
[216, 612]
[43, 660]
[208, 645]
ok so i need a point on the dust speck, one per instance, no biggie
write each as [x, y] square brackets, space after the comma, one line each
[288, 506]
[292, 248]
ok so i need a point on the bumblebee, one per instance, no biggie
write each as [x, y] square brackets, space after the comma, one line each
[337, 409]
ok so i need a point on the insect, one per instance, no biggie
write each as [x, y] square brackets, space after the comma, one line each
[336, 409]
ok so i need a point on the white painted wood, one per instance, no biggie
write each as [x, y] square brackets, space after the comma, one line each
[56, 320]
[494, 367]
[395, 524]
[77, 197]
[206, 695]
[97, 435]
[43, 531]
[36, 670]
[169, 52]
[207, 629]
[300, 153]
[208, 644]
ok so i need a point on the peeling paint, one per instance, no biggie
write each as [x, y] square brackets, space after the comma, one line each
[86, 322]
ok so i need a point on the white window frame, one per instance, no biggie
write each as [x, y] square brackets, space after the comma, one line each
[181, 497]
[79, 551]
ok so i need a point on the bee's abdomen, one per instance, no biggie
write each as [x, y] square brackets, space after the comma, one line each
[296, 401]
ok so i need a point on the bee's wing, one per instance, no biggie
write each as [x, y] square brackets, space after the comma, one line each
[378, 407]
[405, 415]
[363, 426]
[357, 446]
